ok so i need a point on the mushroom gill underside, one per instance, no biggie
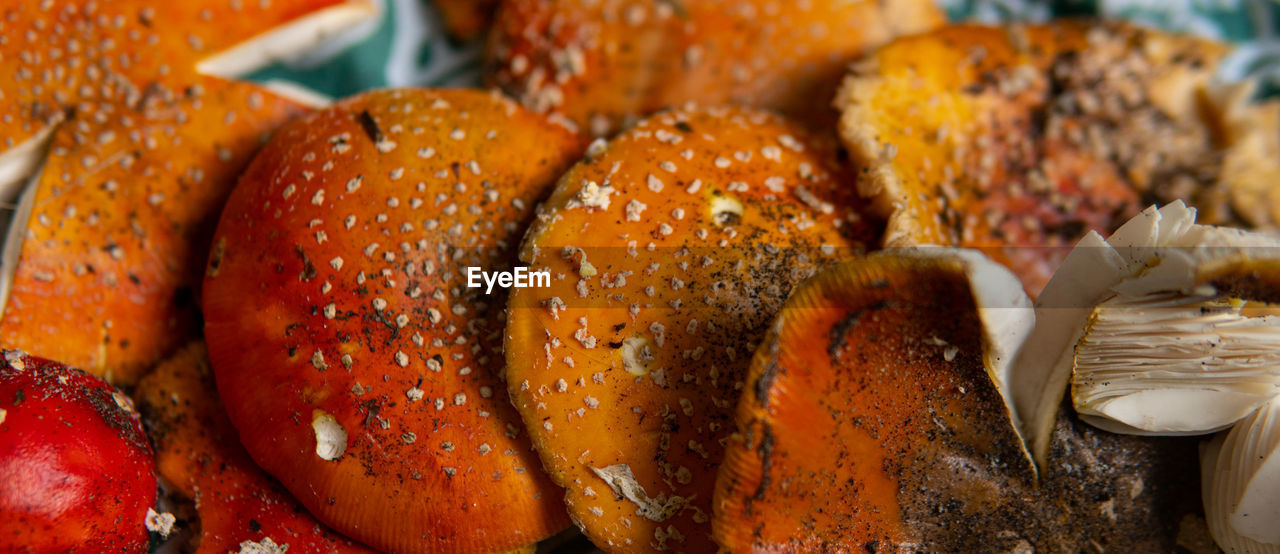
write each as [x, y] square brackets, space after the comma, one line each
[1177, 336]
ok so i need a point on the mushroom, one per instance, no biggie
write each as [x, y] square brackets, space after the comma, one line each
[1241, 480]
[873, 418]
[1153, 330]
[908, 328]
[130, 152]
[76, 471]
[669, 248]
[354, 360]
[200, 457]
[1147, 327]
[1018, 140]
[605, 64]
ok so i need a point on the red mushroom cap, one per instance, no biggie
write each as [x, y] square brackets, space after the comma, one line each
[76, 471]
[199, 454]
[353, 359]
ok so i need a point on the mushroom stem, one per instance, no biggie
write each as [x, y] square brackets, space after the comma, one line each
[1241, 483]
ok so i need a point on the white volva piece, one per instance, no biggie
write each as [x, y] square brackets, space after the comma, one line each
[1240, 476]
[159, 522]
[623, 482]
[1125, 315]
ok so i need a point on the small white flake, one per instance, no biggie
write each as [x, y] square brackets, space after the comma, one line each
[264, 546]
[634, 209]
[161, 523]
[591, 195]
[331, 438]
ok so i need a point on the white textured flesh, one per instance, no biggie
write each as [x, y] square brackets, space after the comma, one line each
[17, 164]
[1241, 483]
[1174, 364]
[1159, 251]
[298, 93]
[14, 228]
[1139, 234]
[293, 40]
[1041, 371]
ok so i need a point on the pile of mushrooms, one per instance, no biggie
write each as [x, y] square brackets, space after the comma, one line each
[121, 134]
[715, 362]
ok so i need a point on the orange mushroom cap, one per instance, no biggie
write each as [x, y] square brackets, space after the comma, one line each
[605, 64]
[76, 471]
[141, 152]
[1018, 140]
[869, 421]
[668, 250]
[200, 456]
[59, 54]
[120, 214]
[352, 358]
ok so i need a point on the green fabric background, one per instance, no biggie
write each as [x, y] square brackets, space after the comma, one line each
[410, 48]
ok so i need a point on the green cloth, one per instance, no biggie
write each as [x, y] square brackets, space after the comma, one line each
[410, 48]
